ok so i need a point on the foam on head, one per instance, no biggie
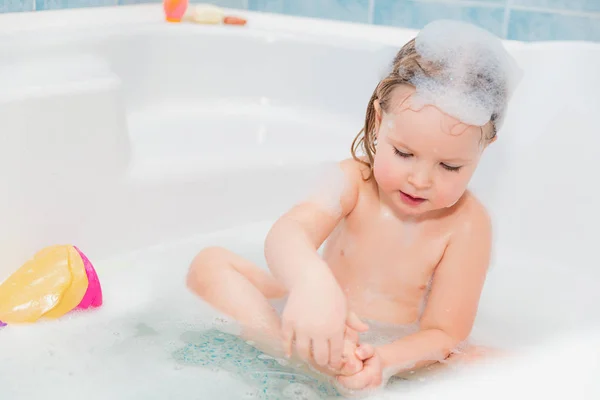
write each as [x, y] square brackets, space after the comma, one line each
[474, 75]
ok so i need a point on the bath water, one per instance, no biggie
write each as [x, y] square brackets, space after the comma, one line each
[151, 339]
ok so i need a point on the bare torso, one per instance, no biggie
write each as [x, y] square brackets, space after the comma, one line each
[385, 264]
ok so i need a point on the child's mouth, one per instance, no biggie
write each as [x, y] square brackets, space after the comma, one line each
[410, 200]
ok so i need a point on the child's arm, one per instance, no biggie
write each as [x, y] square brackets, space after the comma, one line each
[452, 304]
[450, 312]
[316, 307]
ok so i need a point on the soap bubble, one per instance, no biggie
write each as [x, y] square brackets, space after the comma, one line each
[474, 76]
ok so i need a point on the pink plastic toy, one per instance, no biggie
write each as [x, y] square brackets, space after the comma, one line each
[175, 9]
[55, 281]
[93, 295]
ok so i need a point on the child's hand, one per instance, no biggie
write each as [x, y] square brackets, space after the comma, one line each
[350, 363]
[371, 375]
[316, 314]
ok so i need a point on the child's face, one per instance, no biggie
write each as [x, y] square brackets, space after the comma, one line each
[424, 158]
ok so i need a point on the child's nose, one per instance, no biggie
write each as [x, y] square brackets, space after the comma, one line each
[420, 178]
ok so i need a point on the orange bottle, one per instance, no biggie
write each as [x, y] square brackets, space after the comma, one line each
[175, 9]
[231, 20]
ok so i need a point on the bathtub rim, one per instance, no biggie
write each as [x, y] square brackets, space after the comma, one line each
[14, 24]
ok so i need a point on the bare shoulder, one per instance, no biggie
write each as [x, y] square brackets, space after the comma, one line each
[355, 170]
[471, 221]
[335, 189]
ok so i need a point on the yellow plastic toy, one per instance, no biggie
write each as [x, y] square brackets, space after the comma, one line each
[57, 280]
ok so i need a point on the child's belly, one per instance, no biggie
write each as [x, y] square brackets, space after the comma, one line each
[383, 279]
[381, 290]
[392, 310]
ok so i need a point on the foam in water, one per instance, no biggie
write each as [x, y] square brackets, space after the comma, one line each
[149, 318]
[128, 342]
[474, 75]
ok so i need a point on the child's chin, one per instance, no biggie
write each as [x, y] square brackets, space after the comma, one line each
[452, 203]
[416, 210]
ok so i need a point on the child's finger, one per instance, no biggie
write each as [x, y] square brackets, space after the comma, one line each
[351, 366]
[351, 334]
[287, 331]
[303, 346]
[321, 351]
[355, 323]
[336, 347]
[355, 382]
[364, 351]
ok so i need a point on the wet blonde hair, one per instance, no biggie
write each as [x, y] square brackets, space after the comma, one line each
[406, 65]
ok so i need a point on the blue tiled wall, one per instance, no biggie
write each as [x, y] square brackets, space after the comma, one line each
[512, 19]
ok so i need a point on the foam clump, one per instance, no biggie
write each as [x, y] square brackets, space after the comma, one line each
[470, 74]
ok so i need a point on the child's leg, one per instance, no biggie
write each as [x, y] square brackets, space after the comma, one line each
[239, 289]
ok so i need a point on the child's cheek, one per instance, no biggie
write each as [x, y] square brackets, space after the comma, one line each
[384, 173]
[449, 194]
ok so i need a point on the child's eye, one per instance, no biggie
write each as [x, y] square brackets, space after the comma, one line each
[450, 168]
[401, 154]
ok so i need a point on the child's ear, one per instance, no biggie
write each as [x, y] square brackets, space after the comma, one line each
[489, 142]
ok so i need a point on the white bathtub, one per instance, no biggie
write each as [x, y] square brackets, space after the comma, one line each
[141, 141]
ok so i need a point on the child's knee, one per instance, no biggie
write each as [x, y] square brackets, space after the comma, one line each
[203, 266]
[211, 254]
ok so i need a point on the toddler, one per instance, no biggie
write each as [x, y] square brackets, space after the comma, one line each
[405, 242]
